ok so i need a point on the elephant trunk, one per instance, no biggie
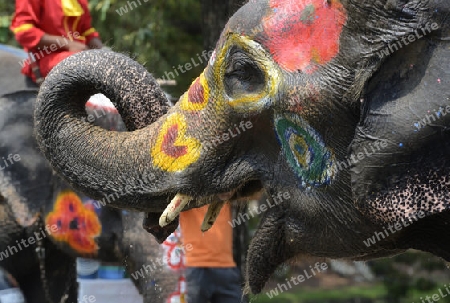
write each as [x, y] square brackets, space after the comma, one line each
[101, 163]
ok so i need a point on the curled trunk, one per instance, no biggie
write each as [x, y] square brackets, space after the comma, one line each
[101, 163]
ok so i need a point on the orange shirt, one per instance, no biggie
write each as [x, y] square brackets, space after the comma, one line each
[66, 18]
[213, 248]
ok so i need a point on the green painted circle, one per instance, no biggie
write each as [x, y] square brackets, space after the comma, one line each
[305, 150]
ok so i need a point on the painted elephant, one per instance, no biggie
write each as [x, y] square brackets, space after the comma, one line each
[338, 109]
[46, 225]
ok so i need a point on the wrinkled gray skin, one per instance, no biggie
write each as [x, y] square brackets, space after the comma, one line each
[349, 103]
[27, 192]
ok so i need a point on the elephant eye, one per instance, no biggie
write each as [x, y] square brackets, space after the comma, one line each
[242, 75]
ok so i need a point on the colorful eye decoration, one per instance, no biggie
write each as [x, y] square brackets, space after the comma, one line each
[305, 151]
[259, 99]
[77, 224]
[174, 151]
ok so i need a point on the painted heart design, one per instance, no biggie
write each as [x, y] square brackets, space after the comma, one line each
[174, 151]
[197, 96]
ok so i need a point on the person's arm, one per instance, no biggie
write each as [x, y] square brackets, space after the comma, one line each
[92, 36]
[95, 42]
[25, 23]
[72, 46]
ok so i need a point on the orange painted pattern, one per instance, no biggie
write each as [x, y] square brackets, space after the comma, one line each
[302, 35]
[78, 225]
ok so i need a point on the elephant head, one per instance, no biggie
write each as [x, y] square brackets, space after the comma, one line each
[311, 100]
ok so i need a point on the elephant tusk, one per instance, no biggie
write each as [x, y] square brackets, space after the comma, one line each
[174, 208]
[211, 215]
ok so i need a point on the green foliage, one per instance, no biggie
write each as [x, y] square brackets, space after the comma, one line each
[423, 284]
[6, 13]
[382, 267]
[407, 259]
[396, 282]
[341, 295]
[407, 273]
[432, 264]
[397, 286]
[161, 34]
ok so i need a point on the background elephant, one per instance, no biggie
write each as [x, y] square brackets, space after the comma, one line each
[33, 201]
[317, 102]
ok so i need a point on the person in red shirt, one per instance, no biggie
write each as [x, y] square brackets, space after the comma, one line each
[52, 30]
[211, 273]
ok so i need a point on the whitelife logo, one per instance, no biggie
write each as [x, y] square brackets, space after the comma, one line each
[10, 160]
[27, 242]
[297, 279]
[242, 217]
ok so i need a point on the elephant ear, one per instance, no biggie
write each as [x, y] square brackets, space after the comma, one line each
[400, 166]
[25, 175]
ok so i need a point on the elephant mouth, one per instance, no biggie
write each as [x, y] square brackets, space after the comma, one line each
[151, 225]
[161, 225]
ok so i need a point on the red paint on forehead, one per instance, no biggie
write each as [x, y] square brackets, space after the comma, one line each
[168, 144]
[303, 34]
[195, 93]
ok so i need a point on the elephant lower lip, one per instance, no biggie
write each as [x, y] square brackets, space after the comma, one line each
[226, 196]
[151, 225]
